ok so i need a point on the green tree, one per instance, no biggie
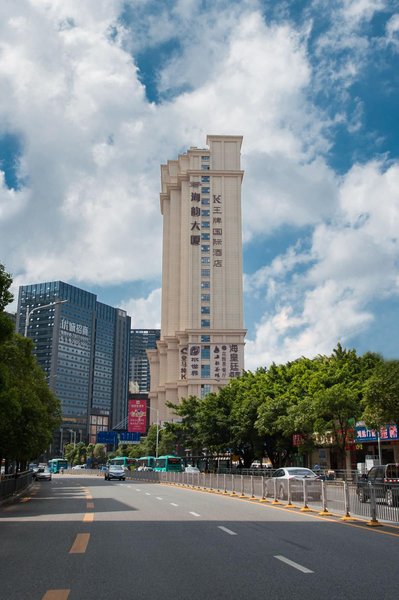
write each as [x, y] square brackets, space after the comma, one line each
[381, 398]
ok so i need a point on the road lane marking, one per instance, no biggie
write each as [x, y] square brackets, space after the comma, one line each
[227, 530]
[88, 518]
[293, 564]
[138, 489]
[56, 595]
[174, 504]
[147, 494]
[194, 514]
[80, 544]
[90, 505]
[159, 498]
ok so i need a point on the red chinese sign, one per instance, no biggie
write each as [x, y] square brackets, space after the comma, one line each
[137, 416]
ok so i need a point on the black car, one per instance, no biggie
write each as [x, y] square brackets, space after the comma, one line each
[115, 472]
[384, 480]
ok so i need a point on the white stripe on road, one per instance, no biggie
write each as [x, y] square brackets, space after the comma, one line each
[194, 514]
[227, 530]
[293, 564]
[138, 490]
[158, 498]
[173, 504]
[147, 494]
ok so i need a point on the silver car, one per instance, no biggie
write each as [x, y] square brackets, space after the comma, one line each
[294, 477]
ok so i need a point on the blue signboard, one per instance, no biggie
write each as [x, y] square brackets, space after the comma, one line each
[107, 437]
[387, 433]
[131, 436]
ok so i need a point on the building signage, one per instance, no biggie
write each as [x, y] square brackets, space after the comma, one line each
[74, 334]
[387, 433]
[137, 416]
[225, 361]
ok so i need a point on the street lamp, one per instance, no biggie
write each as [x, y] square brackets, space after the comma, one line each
[72, 431]
[29, 312]
[157, 442]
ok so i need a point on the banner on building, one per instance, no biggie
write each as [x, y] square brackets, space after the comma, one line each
[137, 416]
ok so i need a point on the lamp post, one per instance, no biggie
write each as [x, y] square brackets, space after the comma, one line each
[29, 312]
[157, 441]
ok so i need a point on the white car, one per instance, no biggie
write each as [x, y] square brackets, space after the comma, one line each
[295, 476]
[191, 469]
[76, 467]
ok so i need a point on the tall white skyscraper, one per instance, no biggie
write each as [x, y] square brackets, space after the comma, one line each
[202, 337]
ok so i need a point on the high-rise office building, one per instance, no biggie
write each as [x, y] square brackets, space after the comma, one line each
[141, 340]
[82, 346]
[202, 337]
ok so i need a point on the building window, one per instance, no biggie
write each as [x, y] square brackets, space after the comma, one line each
[206, 352]
[205, 260]
[205, 285]
[205, 297]
[205, 236]
[205, 212]
[205, 201]
[205, 272]
[205, 178]
[205, 338]
[205, 158]
[205, 224]
[205, 190]
[205, 371]
[205, 310]
[205, 248]
[205, 167]
[205, 389]
[205, 323]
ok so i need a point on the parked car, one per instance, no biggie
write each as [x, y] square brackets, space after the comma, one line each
[115, 472]
[77, 467]
[42, 474]
[384, 480]
[191, 469]
[295, 476]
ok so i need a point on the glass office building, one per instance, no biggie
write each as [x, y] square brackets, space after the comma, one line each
[82, 346]
[141, 340]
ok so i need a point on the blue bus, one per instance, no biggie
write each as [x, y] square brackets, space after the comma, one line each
[169, 463]
[56, 464]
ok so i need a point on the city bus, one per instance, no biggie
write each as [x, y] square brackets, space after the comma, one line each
[145, 462]
[169, 463]
[123, 461]
[56, 464]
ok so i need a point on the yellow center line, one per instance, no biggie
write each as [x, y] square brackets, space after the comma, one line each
[56, 595]
[80, 544]
[88, 518]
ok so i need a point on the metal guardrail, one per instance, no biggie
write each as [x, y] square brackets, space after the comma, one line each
[340, 498]
[11, 485]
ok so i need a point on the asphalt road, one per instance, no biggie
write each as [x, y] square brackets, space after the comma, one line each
[81, 538]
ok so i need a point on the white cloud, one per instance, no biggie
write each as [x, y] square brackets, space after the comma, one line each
[145, 312]
[352, 263]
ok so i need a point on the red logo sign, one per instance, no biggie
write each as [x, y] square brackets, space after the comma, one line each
[137, 416]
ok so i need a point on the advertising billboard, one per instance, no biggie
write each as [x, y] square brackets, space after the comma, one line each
[137, 416]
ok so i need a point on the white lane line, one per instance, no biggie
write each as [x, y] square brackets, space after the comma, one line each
[159, 498]
[194, 514]
[227, 530]
[173, 504]
[293, 564]
[147, 494]
[138, 490]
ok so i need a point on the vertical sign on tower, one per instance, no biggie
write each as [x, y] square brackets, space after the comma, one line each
[137, 416]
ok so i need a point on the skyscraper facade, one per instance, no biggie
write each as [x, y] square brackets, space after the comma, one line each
[141, 340]
[82, 346]
[202, 337]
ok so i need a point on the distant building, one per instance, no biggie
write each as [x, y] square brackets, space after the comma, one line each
[202, 337]
[82, 346]
[141, 340]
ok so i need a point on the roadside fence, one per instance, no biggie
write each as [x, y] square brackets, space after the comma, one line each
[14, 484]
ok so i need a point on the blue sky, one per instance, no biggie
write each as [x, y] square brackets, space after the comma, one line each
[96, 95]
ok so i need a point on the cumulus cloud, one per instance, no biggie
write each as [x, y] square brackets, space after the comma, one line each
[145, 312]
